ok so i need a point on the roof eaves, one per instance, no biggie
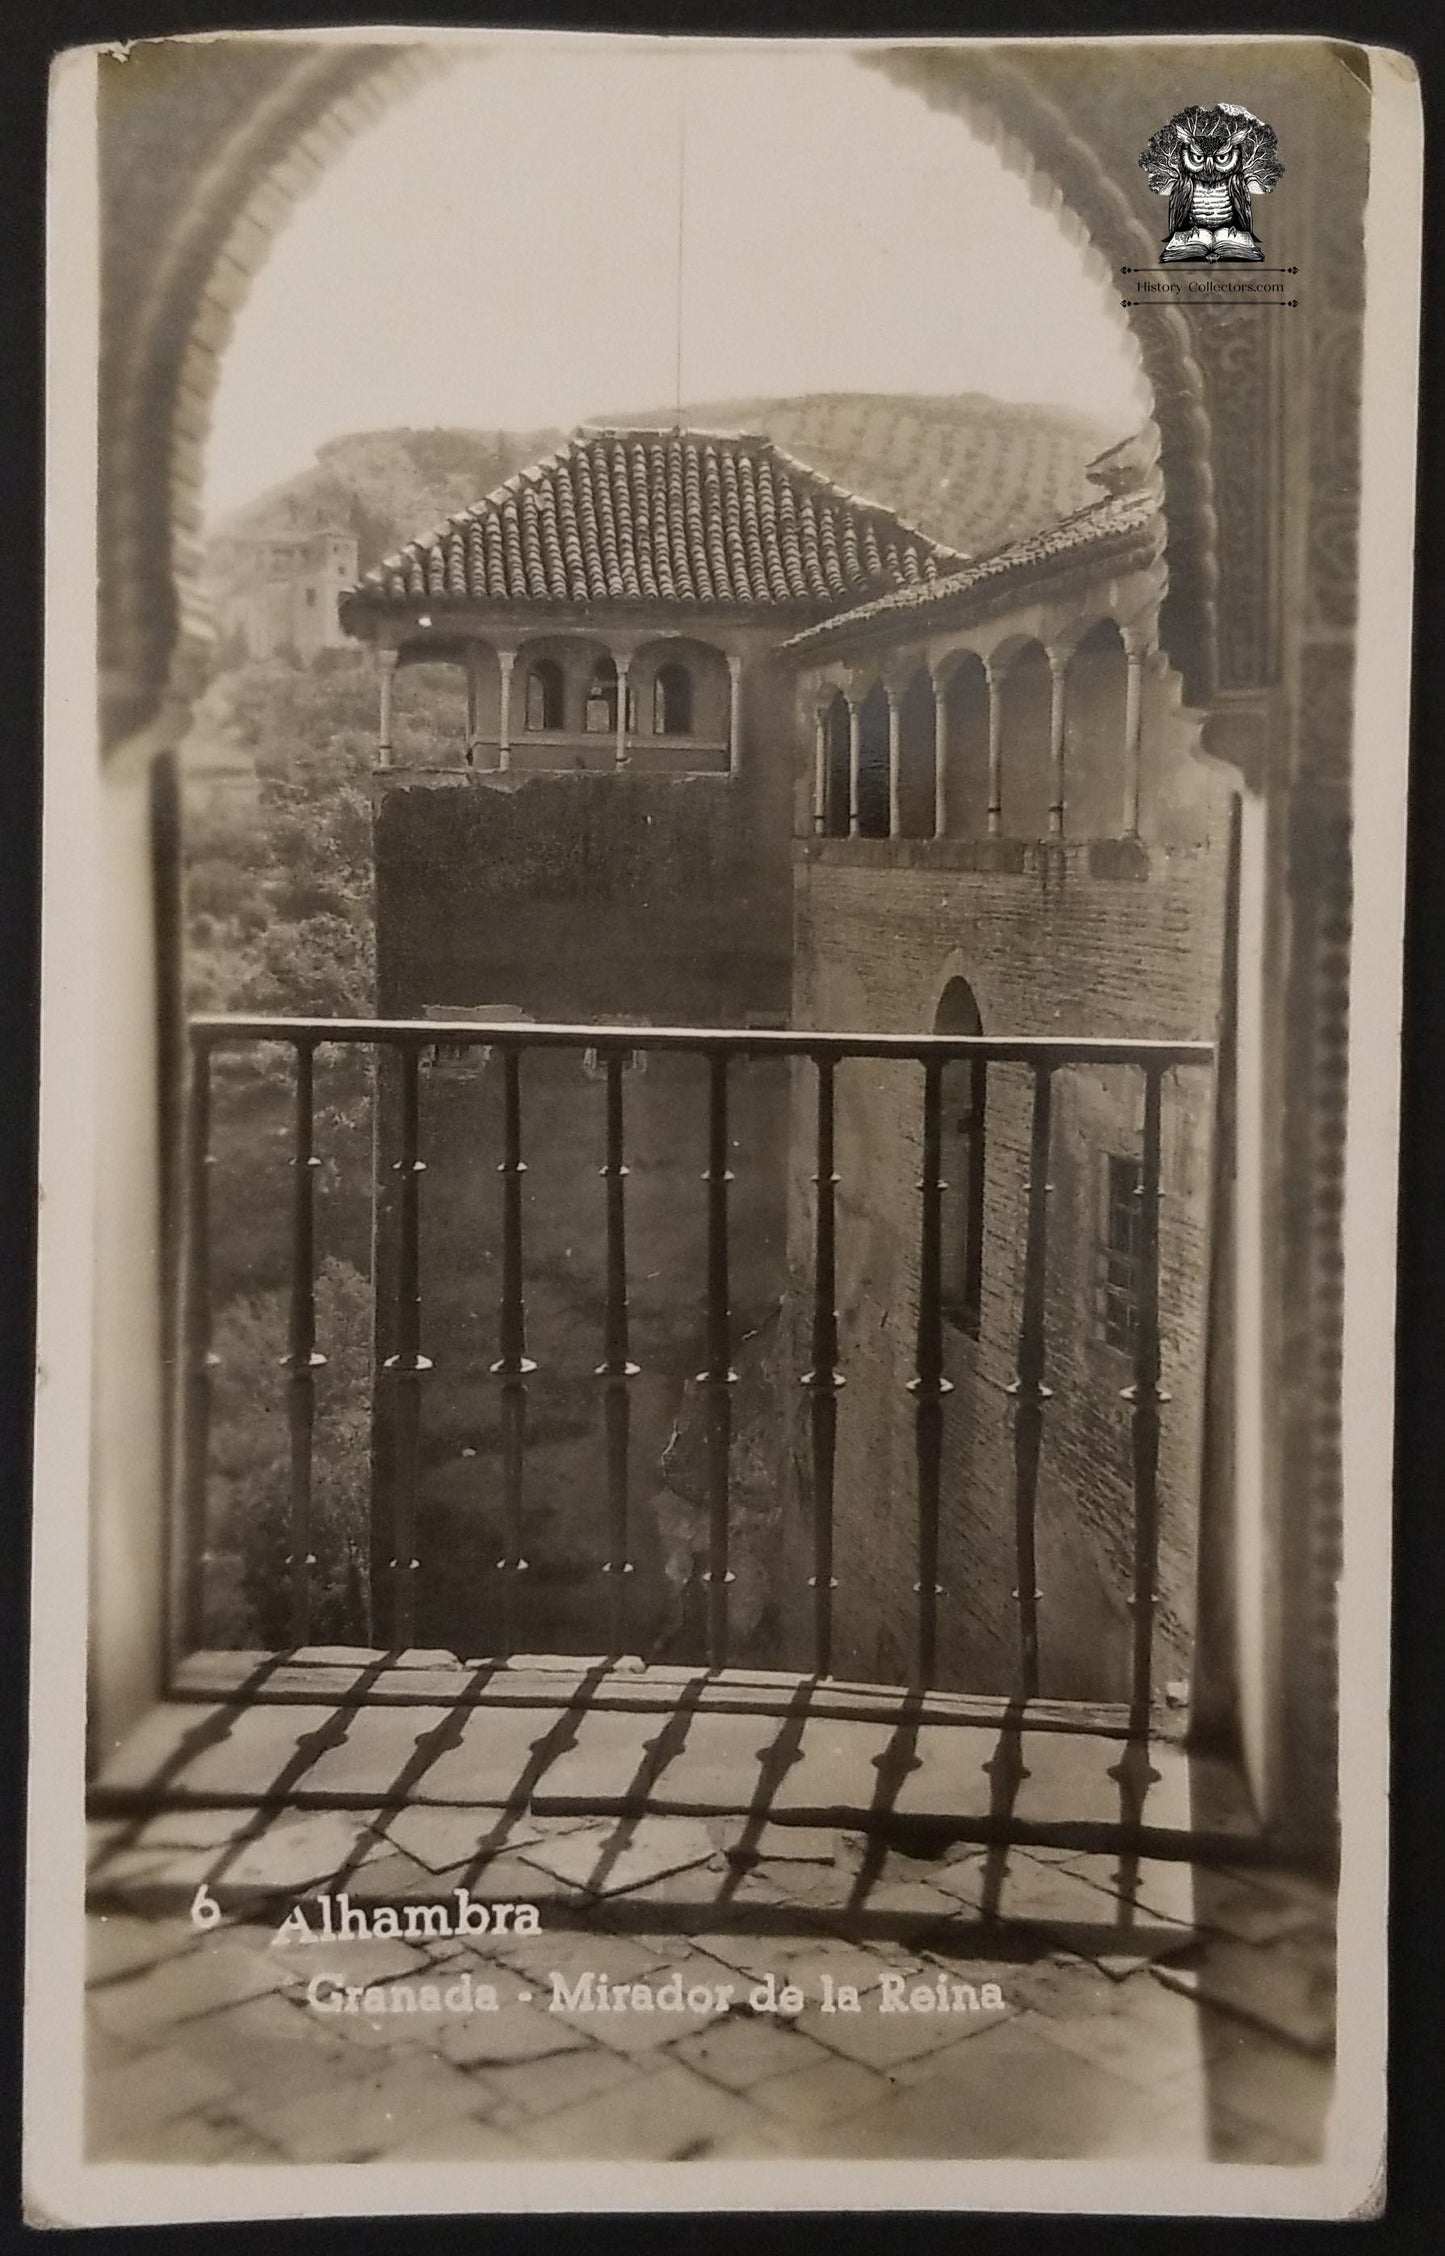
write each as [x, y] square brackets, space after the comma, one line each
[987, 577]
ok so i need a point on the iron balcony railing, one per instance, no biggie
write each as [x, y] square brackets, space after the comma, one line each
[612, 1048]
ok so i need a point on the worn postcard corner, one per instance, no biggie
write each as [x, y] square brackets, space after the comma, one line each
[717, 1024]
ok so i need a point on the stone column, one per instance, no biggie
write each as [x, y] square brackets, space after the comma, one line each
[1136, 647]
[895, 760]
[505, 661]
[623, 668]
[855, 747]
[1058, 668]
[821, 710]
[735, 713]
[386, 663]
[994, 675]
[940, 755]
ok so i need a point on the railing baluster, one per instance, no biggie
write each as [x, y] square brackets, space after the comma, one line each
[1028, 1389]
[615, 1370]
[824, 1379]
[1145, 1396]
[408, 1364]
[928, 1385]
[302, 1360]
[199, 1362]
[513, 1364]
[718, 1377]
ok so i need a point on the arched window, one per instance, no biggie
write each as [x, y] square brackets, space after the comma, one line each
[601, 711]
[964, 1095]
[835, 773]
[544, 695]
[1028, 784]
[873, 764]
[672, 701]
[1095, 707]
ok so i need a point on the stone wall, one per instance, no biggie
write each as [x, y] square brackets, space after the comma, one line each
[583, 897]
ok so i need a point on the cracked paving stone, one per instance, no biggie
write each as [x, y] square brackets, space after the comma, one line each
[913, 1905]
[442, 1838]
[1277, 1987]
[353, 1958]
[804, 1959]
[299, 1852]
[364, 2115]
[119, 1944]
[1250, 1911]
[1154, 1889]
[611, 1859]
[746, 1844]
[125, 2106]
[187, 1829]
[390, 1876]
[1006, 2094]
[269, 2047]
[220, 1973]
[1130, 2047]
[821, 2094]
[746, 2048]
[670, 2114]
[515, 2032]
[540, 2087]
[880, 2040]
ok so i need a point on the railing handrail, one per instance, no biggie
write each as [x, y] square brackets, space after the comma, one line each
[213, 1029]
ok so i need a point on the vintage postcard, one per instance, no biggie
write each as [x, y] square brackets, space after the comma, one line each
[725, 781]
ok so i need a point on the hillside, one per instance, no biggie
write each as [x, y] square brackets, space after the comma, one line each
[973, 471]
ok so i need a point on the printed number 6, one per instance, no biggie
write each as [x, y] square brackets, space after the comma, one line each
[205, 1911]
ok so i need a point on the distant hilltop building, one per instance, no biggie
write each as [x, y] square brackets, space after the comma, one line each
[281, 592]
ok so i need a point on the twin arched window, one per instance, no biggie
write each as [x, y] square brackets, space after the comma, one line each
[672, 699]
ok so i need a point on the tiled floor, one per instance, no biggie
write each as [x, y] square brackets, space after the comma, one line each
[1159, 2011]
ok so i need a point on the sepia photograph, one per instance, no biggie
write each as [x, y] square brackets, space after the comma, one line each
[720, 1063]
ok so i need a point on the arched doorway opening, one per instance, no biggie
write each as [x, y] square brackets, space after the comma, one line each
[873, 764]
[965, 757]
[1026, 783]
[1095, 714]
[915, 757]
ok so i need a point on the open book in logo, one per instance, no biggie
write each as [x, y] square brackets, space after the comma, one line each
[1210, 163]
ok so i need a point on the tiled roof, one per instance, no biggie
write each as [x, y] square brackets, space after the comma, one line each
[1126, 522]
[662, 516]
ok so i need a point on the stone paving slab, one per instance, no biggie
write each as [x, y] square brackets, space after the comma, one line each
[608, 1859]
[178, 1988]
[363, 2115]
[745, 2050]
[1006, 2096]
[440, 1838]
[561, 2079]
[203, 2046]
[673, 2113]
[819, 1769]
[1284, 1988]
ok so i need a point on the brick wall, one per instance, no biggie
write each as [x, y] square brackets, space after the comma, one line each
[1116, 939]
